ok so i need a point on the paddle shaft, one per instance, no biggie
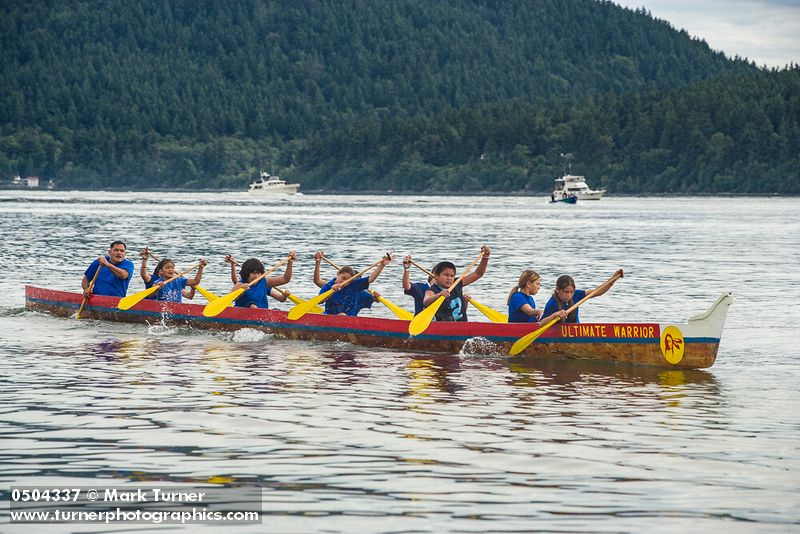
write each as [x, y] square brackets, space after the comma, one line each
[423, 269]
[91, 286]
[347, 282]
[591, 294]
[329, 262]
[265, 273]
[279, 290]
[176, 276]
[467, 270]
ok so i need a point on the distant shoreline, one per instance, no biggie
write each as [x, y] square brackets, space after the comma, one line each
[405, 193]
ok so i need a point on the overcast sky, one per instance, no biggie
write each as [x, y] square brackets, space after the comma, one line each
[764, 31]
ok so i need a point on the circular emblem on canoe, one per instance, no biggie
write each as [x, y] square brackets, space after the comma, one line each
[672, 344]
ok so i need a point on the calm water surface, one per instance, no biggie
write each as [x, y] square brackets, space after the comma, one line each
[344, 439]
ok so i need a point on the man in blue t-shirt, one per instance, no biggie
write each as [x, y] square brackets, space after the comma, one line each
[114, 275]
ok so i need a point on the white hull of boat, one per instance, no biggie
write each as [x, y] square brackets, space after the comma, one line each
[288, 189]
[571, 185]
[268, 185]
[594, 195]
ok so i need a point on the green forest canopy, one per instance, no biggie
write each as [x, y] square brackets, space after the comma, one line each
[417, 95]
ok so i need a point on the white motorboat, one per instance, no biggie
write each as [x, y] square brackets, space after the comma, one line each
[267, 184]
[570, 185]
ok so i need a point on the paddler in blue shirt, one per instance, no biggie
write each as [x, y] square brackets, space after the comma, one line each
[257, 296]
[114, 276]
[566, 295]
[521, 304]
[349, 300]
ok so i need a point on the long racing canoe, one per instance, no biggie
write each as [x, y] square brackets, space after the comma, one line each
[691, 345]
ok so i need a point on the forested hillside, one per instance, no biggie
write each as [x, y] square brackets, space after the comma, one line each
[736, 134]
[204, 93]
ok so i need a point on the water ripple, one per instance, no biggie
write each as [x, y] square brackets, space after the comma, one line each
[341, 438]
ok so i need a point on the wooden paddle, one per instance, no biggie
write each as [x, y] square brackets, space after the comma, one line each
[423, 319]
[493, 315]
[302, 309]
[130, 301]
[206, 293]
[395, 309]
[216, 306]
[523, 342]
[91, 286]
[296, 300]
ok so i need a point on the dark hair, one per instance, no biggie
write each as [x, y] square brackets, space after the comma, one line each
[347, 270]
[160, 265]
[442, 265]
[563, 281]
[117, 243]
[249, 267]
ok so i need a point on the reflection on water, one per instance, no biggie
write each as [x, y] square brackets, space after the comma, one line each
[341, 438]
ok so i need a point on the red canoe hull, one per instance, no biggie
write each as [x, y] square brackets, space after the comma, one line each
[639, 343]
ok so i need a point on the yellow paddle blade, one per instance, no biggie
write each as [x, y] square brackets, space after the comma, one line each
[298, 300]
[80, 310]
[397, 310]
[523, 342]
[421, 321]
[216, 306]
[493, 315]
[126, 303]
[206, 293]
[302, 309]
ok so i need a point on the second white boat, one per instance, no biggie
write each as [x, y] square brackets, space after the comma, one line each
[268, 184]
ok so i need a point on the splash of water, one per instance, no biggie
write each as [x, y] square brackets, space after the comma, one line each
[478, 346]
[161, 328]
[248, 335]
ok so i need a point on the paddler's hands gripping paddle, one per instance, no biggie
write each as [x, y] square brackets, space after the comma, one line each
[397, 310]
[523, 342]
[216, 306]
[296, 300]
[89, 289]
[130, 301]
[205, 292]
[302, 309]
[423, 319]
[493, 315]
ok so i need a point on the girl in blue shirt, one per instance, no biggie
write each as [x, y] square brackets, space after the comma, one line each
[173, 291]
[521, 305]
[257, 295]
[566, 295]
[350, 299]
[148, 278]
